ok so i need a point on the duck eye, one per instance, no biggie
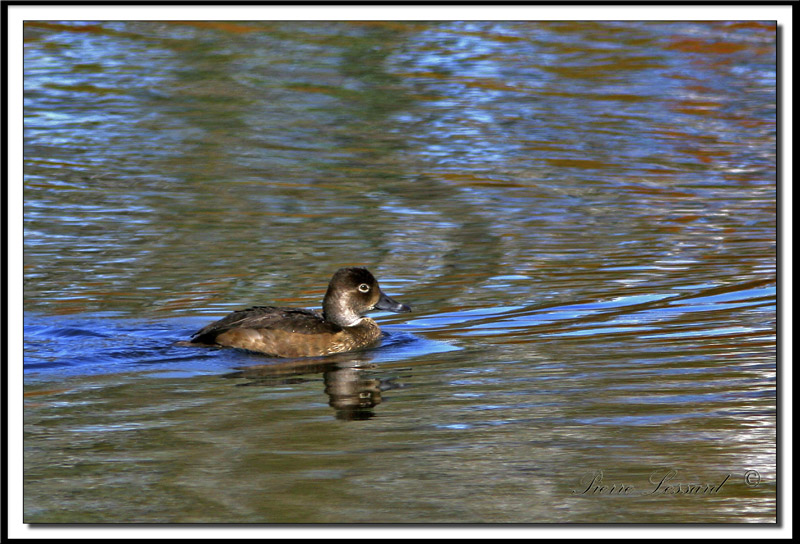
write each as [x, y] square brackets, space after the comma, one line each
[363, 288]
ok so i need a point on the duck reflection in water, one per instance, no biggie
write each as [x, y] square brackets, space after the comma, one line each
[351, 391]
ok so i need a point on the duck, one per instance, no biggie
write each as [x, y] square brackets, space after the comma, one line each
[340, 327]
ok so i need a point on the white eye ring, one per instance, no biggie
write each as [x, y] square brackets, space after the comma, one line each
[364, 288]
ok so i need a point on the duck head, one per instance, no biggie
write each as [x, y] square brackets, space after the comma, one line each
[352, 292]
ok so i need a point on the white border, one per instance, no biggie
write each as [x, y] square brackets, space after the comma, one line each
[445, 12]
[17, 14]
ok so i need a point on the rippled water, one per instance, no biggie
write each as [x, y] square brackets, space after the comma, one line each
[583, 216]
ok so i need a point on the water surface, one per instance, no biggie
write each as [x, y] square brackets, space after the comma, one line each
[583, 216]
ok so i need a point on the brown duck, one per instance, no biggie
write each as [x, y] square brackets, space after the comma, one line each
[296, 332]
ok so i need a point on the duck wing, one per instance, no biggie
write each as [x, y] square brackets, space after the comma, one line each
[265, 317]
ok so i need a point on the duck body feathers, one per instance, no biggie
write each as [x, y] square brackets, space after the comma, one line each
[286, 332]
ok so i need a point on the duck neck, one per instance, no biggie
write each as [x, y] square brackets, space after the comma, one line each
[338, 313]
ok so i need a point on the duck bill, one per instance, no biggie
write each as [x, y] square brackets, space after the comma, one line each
[390, 305]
